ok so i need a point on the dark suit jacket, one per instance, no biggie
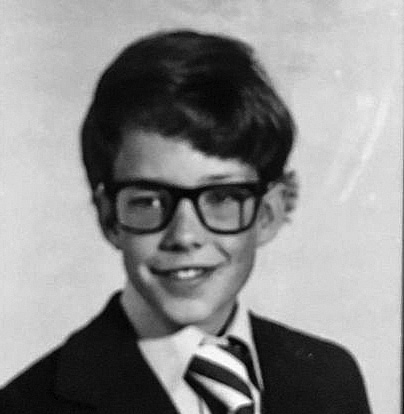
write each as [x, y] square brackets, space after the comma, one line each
[101, 370]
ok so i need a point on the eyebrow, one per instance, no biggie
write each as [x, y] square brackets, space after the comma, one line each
[217, 177]
[221, 177]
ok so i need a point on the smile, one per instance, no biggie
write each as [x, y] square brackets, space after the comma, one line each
[186, 273]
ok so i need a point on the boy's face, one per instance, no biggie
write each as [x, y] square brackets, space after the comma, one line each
[187, 274]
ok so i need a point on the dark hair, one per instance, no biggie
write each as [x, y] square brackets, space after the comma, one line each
[202, 88]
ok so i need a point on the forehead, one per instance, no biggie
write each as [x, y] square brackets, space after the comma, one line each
[147, 155]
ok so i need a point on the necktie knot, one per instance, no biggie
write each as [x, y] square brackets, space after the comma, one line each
[219, 375]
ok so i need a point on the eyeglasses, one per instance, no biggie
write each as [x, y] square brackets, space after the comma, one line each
[148, 206]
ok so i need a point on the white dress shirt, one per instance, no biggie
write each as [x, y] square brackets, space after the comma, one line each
[169, 356]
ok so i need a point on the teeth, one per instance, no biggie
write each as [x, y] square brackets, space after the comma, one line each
[184, 274]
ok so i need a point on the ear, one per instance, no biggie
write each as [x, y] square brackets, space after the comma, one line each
[272, 213]
[106, 215]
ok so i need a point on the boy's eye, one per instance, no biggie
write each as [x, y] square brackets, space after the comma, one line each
[143, 202]
[227, 195]
[135, 200]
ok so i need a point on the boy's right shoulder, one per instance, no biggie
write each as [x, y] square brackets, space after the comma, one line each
[36, 381]
[33, 390]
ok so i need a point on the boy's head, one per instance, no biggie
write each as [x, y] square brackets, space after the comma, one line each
[205, 89]
[185, 145]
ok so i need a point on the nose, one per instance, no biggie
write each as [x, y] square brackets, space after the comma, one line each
[185, 232]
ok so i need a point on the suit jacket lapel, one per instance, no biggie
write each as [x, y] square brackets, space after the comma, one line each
[263, 347]
[288, 370]
[102, 366]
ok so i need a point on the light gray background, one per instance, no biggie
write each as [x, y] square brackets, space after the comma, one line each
[335, 270]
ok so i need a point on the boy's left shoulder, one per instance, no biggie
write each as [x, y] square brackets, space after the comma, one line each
[303, 370]
[295, 345]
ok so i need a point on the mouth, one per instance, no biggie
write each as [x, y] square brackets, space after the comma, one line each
[184, 273]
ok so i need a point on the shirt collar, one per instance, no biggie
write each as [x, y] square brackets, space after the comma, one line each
[240, 328]
[170, 355]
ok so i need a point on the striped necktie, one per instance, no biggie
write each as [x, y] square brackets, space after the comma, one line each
[221, 378]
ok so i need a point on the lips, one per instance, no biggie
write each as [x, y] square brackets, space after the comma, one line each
[184, 273]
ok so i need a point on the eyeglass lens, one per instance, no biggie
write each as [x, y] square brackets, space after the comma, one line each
[227, 208]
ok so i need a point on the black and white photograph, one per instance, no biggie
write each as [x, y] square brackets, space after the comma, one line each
[201, 206]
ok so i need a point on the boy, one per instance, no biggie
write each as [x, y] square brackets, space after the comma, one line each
[185, 145]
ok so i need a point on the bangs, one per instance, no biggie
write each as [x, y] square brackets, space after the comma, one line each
[214, 114]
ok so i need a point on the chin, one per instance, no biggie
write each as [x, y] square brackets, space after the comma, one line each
[204, 316]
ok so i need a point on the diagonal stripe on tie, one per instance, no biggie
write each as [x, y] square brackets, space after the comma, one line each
[215, 372]
[220, 355]
[231, 397]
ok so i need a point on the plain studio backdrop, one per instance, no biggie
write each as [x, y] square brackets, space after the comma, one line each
[335, 270]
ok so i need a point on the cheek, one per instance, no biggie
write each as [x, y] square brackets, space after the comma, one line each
[137, 250]
[241, 252]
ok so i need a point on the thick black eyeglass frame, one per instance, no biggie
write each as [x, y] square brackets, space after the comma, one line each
[257, 188]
